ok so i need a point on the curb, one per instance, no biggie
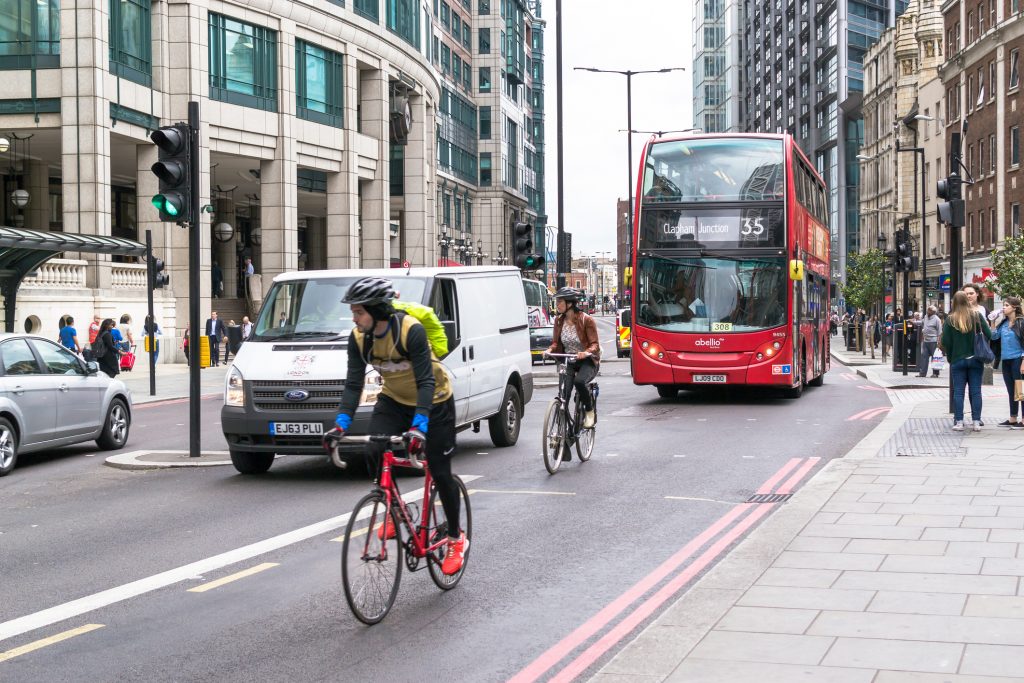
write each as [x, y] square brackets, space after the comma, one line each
[133, 460]
[707, 601]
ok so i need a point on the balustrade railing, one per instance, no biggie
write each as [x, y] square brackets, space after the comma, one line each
[57, 274]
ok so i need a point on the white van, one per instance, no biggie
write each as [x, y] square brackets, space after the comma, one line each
[282, 391]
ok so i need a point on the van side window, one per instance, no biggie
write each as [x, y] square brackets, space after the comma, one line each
[444, 303]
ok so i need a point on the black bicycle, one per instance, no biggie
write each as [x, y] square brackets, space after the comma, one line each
[564, 429]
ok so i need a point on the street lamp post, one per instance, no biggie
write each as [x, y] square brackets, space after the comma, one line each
[444, 243]
[629, 137]
[882, 240]
[500, 259]
[479, 252]
[911, 122]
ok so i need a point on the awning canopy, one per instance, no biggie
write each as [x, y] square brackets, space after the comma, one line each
[23, 251]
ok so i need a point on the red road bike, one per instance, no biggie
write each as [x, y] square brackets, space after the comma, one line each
[372, 559]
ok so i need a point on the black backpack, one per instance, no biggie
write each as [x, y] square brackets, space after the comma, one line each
[99, 348]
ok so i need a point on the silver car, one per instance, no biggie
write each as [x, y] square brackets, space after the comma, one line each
[50, 397]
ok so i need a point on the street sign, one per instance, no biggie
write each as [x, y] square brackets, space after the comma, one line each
[915, 283]
[405, 264]
[944, 282]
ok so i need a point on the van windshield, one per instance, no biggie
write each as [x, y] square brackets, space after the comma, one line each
[312, 309]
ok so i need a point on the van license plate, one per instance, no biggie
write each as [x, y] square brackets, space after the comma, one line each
[709, 379]
[296, 428]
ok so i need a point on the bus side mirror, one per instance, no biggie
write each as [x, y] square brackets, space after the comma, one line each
[796, 270]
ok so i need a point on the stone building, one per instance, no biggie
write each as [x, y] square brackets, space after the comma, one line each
[335, 133]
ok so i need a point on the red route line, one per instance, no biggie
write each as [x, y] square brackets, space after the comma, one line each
[800, 474]
[777, 477]
[582, 633]
[624, 627]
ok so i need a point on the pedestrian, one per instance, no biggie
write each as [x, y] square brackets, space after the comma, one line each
[931, 329]
[217, 280]
[153, 327]
[247, 272]
[974, 296]
[104, 348]
[230, 330]
[246, 327]
[215, 331]
[1009, 330]
[94, 328]
[68, 336]
[957, 343]
[125, 327]
[184, 345]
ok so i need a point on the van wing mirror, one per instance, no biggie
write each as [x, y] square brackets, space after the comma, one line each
[452, 334]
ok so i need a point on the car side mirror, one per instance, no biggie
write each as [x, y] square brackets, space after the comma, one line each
[451, 333]
[92, 367]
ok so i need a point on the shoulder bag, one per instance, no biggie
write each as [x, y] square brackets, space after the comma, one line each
[982, 350]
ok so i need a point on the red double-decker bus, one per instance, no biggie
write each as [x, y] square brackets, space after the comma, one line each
[730, 278]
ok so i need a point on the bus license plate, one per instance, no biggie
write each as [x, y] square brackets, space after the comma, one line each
[297, 428]
[709, 379]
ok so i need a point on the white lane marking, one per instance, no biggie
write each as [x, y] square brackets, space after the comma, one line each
[747, 457]
[52, 615]
[538, 493]
[233, 577]
[703, 500]
[678, 456]
[32, 647]
[613, 455]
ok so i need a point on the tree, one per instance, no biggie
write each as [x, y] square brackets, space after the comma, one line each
[865, 279]
[1008, 266]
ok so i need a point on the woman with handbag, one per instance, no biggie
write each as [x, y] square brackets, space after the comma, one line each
[965, 337]
[1009, 330]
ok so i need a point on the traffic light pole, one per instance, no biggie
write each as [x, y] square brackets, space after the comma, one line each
[151, 332]
[194, 247]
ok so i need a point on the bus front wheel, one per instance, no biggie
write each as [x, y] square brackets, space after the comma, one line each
[668, 390]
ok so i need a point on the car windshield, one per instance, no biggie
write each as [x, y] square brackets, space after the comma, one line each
[711, 294]
[312, 309]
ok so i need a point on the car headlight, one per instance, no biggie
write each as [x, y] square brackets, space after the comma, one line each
[234, 393]
[372, 387]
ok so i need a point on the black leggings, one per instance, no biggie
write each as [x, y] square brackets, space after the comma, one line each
[577, 375]
[391, 417]
[1011, 372]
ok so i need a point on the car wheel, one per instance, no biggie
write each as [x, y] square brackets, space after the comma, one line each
[504, 426]
[251, 463]
[115, 426]
[8, 446]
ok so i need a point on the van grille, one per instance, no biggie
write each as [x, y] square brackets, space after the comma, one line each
[324, 395]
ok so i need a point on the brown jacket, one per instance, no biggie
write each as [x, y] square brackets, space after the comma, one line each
[586, 329]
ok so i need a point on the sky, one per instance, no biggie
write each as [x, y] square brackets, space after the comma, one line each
[610, 34]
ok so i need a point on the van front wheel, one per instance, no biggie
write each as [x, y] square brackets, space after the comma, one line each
[504, 425]
[251, 463]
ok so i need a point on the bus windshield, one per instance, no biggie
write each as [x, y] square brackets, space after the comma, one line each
[312, 309]
[718, 295]
[715, 170]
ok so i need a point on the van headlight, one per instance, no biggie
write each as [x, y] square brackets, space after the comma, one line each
[372, 386]
[234, 392]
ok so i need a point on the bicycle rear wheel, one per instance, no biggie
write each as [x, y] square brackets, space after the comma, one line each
[585, 440]
[371, 566]
[554, 436]
[439, 525]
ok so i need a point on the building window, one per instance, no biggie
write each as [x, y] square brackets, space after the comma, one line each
[1015, 146]
[130, 41]
[319, 84]
[446, 58]
[485, 79]
[368, 8]
[485, 123]
[1015, 220]
[993, 228]
[1014, 68]
[485, 169]
[404, 20]
[484, 42]
[992, 80]
[243, 63]
[992, 152]
[30, 34]
[484, 7]
[970, 94]
[446, 15]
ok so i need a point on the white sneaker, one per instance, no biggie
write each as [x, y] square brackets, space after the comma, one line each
[977, 426]
[958, 426]
[589, 418]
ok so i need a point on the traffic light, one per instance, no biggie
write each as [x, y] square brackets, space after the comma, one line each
[905, 261]
[158, 279]
[952, 211]
[522, 245]
[174, 144]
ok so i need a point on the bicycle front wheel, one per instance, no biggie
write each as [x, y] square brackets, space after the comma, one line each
[585, 440]
[438, 524]
[371, 563]
[554, 436]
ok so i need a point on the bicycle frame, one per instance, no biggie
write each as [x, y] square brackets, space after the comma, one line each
[574, 428]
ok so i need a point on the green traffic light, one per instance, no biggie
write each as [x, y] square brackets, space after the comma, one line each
[162, 203]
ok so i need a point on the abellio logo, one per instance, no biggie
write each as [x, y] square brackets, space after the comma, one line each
[712, 343]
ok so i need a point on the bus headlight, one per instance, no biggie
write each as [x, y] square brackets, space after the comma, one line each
[234, 391]
[372, 387]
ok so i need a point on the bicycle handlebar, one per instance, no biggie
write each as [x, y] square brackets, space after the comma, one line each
[410, 461]
[560, 355]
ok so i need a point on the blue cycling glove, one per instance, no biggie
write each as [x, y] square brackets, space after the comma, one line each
[420, 423]
[343, 421]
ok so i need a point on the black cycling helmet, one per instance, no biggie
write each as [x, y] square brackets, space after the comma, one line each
[369, 291]
[569, 294]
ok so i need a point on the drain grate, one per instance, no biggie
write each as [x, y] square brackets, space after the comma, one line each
[769, 497]
[923, 438]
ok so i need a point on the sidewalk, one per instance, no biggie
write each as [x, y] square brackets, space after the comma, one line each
[881, 373]
[880, 569]
[172, 381]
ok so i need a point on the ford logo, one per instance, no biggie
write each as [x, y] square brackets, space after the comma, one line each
[296, 395]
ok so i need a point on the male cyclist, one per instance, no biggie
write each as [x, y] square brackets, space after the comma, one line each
[576, 332]
[416, 395]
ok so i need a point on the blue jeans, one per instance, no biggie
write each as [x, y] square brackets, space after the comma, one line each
[967, 372]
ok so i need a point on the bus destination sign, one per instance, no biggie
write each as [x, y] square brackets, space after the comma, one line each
[716, 228]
